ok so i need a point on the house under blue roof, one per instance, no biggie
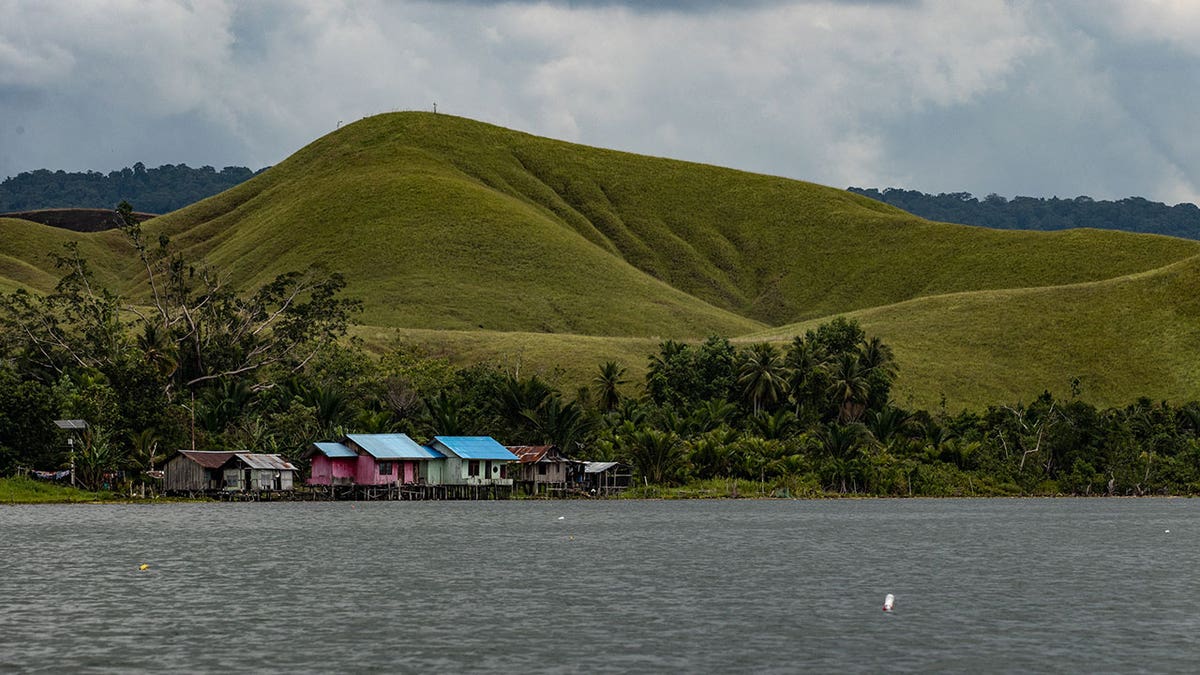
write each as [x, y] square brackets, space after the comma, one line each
[393, 446]
[475, 447]
[333, 450]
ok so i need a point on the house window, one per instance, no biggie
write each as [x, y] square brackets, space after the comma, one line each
[385, 468]
[541, 469]
[473, 468]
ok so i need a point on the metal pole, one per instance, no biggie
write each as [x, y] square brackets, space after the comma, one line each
[71, 445]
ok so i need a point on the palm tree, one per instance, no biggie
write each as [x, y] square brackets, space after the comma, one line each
[842, 443]
[560, 424]
[774, 427]
[879, 365]
[375, 421]
[158, 349]
[887, 423]
[711, 415]
[656, 455]
[445, 414]
[807, 364]
[849, 387]
[145, 453]
[608, 384]
[331, 404]
[761, 375]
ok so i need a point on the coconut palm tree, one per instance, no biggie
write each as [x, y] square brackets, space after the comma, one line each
[879, 365]
[807, 365]
[608, 385]
[848, 387]
[762, 375]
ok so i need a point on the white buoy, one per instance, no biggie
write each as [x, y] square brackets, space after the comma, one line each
[562, 517]
[1166, 532]
[888, 602]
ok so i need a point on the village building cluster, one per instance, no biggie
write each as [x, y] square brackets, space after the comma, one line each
[394, 466]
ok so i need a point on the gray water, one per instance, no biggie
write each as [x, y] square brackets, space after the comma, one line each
[614, 586]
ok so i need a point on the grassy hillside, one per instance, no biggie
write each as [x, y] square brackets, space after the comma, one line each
[497, 245]
[447, 223]
[26, 250]
[1137, 335]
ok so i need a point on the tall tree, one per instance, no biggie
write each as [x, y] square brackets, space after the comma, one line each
[762, 376]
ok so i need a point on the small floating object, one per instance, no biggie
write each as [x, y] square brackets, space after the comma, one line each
[888, 602]
[562, 517]
[1166, 532]
[144, 566]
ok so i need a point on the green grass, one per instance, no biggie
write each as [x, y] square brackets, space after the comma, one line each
[1137, 335]
[494, 245]
[21, 490]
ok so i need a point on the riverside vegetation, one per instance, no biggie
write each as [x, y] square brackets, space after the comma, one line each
[490, 275]
[269, 370]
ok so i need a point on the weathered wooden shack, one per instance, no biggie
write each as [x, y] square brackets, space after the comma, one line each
[385, 459]
[331, 464]
[258, 472]
[541, 469]
[195, 471]
[192, 471]
[472, 460]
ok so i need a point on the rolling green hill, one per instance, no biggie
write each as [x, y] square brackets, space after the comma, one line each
[460, 233]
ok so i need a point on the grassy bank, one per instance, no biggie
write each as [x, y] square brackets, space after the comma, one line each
[21, 490]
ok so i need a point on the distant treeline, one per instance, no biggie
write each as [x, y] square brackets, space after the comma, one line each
[1132, 214]
[161, 190]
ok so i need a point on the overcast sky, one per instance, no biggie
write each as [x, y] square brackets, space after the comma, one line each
[1019, 98]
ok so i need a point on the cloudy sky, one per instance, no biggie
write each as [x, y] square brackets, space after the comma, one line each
[1037, 98]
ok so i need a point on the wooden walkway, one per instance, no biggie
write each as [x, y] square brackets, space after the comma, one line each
[359, 493]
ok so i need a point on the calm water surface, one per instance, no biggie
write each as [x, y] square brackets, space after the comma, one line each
[705, 586]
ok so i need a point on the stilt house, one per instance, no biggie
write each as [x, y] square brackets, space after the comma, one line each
[258, 472]
[195, 471]
[542, 468]
[372, 459]
[209, 471]
[473, 460]
[331, 464]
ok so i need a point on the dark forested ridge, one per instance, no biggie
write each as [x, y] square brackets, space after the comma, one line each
[161, 190]
[1132, 214]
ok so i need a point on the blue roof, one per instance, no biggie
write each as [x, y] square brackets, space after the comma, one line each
[335, 450]
[393, 446]
[476, 447]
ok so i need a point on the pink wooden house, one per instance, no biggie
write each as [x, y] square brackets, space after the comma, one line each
[370, 459]
[332, 464]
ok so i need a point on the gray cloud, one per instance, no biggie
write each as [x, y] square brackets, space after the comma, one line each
[1036, 98]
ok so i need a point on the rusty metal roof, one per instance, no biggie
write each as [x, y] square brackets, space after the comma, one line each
[257, 460]
[529, 454]
[208, 459]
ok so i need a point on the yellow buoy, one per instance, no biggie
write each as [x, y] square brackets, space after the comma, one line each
[144, 567]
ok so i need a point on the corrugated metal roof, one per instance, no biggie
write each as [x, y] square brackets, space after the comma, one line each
[597, 467]
[393, 446]
[208, 459]
[258, 460]
[529, 454]
[334, 450]
[475, 447]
